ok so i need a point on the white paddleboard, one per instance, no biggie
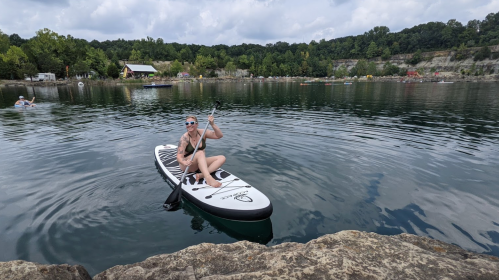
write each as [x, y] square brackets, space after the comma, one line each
[234, 200]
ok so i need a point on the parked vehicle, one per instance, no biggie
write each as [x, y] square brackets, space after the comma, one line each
[42, 77]
[46, 76]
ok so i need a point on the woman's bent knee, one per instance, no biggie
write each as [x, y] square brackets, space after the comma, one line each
[221, 158]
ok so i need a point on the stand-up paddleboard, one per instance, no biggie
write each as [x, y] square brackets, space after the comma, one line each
[234, 200]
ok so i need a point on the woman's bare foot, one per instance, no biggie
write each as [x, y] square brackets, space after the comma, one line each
[199, 176]
[212, 182]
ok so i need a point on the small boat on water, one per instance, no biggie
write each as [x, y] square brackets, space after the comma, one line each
[442, 82]
[153, 85]
[347, 83]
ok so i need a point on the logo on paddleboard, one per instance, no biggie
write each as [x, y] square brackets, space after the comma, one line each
[243, 198]
[240, 196]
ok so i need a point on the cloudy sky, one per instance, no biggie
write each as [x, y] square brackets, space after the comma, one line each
[229, 22]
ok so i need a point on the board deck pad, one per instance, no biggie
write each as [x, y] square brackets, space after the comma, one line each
[234, 200]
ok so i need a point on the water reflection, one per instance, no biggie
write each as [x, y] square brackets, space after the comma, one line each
[260, 231]
[380, 157]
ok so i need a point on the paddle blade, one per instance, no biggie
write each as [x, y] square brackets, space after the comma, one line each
[173, 200]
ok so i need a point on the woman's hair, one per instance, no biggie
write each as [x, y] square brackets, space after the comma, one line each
[192, 117]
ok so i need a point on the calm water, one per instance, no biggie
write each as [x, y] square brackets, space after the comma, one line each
[79, 184]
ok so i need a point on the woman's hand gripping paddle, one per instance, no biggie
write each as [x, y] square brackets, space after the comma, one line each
[173, 201]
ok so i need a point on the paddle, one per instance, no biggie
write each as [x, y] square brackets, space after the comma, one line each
[173, 201]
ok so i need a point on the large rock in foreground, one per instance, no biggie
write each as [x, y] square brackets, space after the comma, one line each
[344, 255]
[17, 270]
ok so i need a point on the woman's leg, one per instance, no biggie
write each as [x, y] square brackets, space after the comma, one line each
[208, 165]
[214, 163]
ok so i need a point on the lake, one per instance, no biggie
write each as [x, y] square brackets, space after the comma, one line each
[79, 183]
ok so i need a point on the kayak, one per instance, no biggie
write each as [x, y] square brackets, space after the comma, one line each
[234, 200]
[156, 86]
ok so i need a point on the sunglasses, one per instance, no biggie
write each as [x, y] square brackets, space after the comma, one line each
[190, 123]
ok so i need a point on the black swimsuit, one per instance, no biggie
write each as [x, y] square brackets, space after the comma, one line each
[190, 149]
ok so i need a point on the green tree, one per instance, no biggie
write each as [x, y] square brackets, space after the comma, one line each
[4, 42]
[274, 70]
[194, 71]
[14, 60]
[230, 67]
[341, 72]
[15, 55]
[288, 57]
[329, 69]
[81, 68]
[390, 69]
[285, 69]
[135, 56]
[371, 69]
[97, 60]
[372, 50]
[416, 58]
[201, 64]
[386, 54]
[221, 59]
[16, 40]
[267, 65]
[462, 52]
[29, 70]
[186, 54]
[482, 54]
[171, 53]
[244, 62]
[47, 49]
[361, 67]
[213, 74]
[450, 33]
[304, 68]
[50, 64]
[176, 67]
[395, 48]
[113, 71]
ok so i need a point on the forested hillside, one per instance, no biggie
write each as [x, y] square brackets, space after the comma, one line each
[63, 55]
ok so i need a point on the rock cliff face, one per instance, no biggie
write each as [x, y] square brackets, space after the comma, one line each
[442, 61]
[344, 255]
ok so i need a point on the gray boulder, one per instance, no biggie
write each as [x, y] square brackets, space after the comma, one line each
[344, 255]
[22, 270]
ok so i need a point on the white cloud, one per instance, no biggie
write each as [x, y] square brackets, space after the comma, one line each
[229, 22]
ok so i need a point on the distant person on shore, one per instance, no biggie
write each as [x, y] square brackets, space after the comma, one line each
[21, 102]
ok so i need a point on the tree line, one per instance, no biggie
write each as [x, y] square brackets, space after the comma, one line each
[66, 56]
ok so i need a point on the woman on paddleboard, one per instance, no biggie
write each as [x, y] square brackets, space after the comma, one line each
[203, 165]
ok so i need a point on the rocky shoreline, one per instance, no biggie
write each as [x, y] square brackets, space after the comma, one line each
[343, 255]
[445, 76]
